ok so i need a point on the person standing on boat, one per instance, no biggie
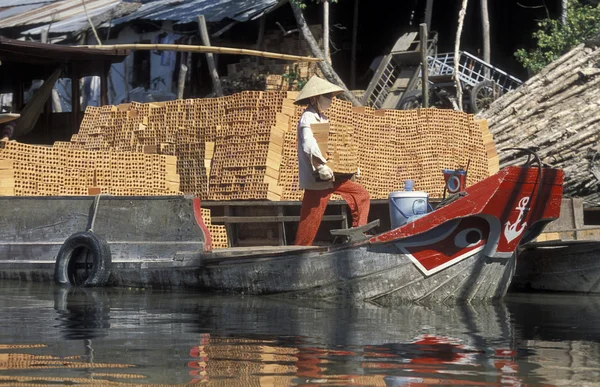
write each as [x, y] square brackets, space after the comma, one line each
[318, 94]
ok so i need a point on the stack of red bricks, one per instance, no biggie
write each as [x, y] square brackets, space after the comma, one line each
[397, 145]
[62, 170]
[249, 148]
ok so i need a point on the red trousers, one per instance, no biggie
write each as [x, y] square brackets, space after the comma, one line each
[315, 201]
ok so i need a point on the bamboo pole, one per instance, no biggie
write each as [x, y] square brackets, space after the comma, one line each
[204, 50]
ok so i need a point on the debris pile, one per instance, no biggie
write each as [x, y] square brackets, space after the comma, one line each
[557, 114]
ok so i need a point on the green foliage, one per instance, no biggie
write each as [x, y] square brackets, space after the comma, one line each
[294, 80]
[555, 39]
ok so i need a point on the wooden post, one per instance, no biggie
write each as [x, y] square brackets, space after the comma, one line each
[428, 14]
[461, 20]
[183, 69]
[262, 23]
[314, 48]
[354, 43]
[126, 76]
[209, 57]
[326, 31]
[424, 66]
[104, 85]
[485, 23]
[74, 99]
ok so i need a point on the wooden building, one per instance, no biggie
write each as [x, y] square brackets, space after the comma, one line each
[23, 62]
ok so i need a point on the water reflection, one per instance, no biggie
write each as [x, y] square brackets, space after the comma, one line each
[132, 337]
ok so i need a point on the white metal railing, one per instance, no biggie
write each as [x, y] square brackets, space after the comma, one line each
[471, 70]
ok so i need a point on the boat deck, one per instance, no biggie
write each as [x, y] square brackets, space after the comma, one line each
[255, 253]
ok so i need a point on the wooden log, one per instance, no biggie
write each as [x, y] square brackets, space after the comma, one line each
[212, 68]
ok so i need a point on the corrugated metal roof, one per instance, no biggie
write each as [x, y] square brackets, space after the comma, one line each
[56, 12]
[15, 3]
[69, 16]
[77, 22]
[188, 10]
[12, 11]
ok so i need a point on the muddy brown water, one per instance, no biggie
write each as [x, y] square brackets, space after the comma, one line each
[132, 337]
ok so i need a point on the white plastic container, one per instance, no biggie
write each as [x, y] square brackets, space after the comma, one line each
[406, 206]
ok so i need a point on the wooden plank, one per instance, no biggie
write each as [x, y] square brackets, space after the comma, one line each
[403, 43]
[267, 219]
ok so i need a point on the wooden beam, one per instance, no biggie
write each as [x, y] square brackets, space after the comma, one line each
[268, 219]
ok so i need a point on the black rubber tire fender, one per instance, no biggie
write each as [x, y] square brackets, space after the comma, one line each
[98, 249]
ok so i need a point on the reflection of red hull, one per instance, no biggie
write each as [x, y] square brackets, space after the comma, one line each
[470, 240]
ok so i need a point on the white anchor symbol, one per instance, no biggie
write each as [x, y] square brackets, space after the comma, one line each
[510, 230]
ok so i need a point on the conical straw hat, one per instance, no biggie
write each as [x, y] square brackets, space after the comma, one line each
[7, 117]
[316, 86]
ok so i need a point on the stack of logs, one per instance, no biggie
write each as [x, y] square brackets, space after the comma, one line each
[557, 114]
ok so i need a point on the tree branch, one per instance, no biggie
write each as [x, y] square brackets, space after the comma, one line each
[315, 51]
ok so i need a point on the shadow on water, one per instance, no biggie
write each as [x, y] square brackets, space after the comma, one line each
[180, 338]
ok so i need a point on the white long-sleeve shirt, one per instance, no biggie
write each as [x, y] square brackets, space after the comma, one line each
[308, 148]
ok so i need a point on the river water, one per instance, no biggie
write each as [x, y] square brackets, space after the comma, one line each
[54, 336]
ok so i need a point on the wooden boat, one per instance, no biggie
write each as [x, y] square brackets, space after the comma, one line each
[461, 252]
[559, 266]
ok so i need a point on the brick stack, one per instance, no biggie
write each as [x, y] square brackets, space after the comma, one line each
[182, 128]
[7, 178]
[63, 170]
[395, 145]
[336, 142]
[218, 234]
[249, 148]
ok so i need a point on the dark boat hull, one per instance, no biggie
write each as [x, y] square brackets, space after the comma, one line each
[462, 252]
[382, 275]
[569, 266]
